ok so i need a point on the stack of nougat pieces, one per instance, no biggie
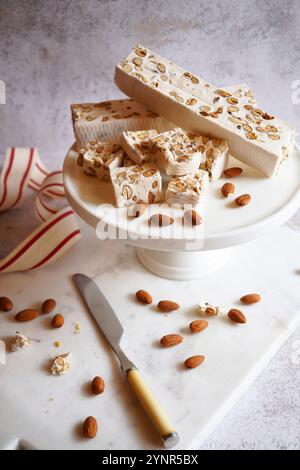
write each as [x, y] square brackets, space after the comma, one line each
[174, 134]
[138, 164]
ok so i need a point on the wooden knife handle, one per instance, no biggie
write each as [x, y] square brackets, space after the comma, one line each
[152, 408]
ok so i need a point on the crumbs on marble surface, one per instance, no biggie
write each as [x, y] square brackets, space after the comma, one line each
[77, 328]
[61, 364]
[57, 344]
[205, 309]
[20, 342]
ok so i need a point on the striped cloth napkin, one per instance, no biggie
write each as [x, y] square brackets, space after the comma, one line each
[58, 230]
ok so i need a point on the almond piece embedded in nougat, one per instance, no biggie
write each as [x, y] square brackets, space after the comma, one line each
[61, 364]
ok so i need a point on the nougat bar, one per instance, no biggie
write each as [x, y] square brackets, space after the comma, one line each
[137, 183]
[107, 120]
[187, 189]
[254, 136]
[98, 158]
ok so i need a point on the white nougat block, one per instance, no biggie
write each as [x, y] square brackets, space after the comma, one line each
[107, 120]
[255, 137]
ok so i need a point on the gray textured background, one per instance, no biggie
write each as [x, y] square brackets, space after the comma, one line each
[53, 53]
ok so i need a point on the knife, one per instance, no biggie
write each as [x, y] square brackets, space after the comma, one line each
[112, 329]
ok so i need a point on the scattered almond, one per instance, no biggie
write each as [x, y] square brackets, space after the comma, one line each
[192, 217]
[5, 304]
[167, 306]
[233, 172]
[48, 306]
[243, 200]
[90, 427]
[194, 361]
[161, 220]
[171, 340]
[97, 385]
[58, 321]
[237, 316]
[198, 325]
[227, 189]
[144, 297]
[27, 315]
[250, 299]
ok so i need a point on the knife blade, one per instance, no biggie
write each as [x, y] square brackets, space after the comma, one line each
[112, 329]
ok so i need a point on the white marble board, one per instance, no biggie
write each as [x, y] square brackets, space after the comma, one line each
[46, 412]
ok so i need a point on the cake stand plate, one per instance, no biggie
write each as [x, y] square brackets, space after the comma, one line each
[184, 252]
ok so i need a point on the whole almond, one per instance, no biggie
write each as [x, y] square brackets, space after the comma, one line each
[198, 325]
[167, 306]
[243, 200]
[144, 297]
[58, 321]
[171, 340]
[97, 385]
[194, 361]
[161, 220]
[90, 427]
[27, 315]
[227, 189]
[233, 172]
[250, 299]
[192, 217]
[48, 306]
[5, 304]
[237, 316]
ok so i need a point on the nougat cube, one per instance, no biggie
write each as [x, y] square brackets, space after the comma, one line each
[98, 158]
[136, 184]
[137, 144]
[176, 153]
[187, 189]
[215, 154]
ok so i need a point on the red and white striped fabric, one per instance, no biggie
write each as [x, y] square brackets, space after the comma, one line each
[58, 231]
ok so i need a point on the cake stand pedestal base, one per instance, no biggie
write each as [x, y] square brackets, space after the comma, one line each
[182, 266]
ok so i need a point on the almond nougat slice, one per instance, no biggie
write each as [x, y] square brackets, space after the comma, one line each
[188, 189]
[176, 153]
[98, 158]
[137, 183]
[107, 120]
[137, 144]
[215, 154]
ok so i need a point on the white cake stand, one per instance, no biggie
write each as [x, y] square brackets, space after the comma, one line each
[183, 252]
